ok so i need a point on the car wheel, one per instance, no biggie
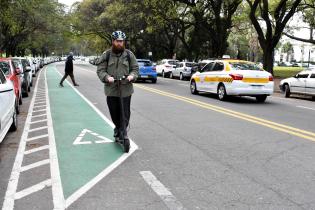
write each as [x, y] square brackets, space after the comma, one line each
[20, 100]
[193, 87]
[163, 74]
[171, 75]
[154, 81]
[222, 93]
[15, 122]
[17, 107]
[261, 98]
[181, 77]
[287, 91]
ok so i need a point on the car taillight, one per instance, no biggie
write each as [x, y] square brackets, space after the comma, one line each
[270, 78]
[237, 76]
[154, 68]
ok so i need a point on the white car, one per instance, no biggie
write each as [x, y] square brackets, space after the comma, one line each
[165, 67]
[183, 70]
[302, 83]
[233, 78]
[8, 115]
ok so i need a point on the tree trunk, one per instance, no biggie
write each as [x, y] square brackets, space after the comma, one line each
[268, 58]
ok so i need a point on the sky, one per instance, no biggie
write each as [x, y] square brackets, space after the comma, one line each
[68, 2]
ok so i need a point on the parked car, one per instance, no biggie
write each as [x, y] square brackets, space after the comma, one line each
[13, 74]
[183, 70]
[32, 64]
[8, 115]
[27, 76]
[165, 67]
[146, 70]
[233, 78]
[302, 83]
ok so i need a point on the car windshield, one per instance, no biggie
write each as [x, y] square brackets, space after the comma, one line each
[145, 63]
[5, 67]
[245, 66]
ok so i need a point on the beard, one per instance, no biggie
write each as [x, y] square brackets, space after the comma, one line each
[118, 49]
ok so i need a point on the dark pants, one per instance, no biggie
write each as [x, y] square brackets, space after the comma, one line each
[115, 113]
[66, 75]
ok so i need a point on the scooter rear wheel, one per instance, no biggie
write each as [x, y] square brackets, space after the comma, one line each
[126, 145]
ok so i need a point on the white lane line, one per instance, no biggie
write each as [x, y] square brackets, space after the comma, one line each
[38, 121]
[133, 147]
[37, 137]
[38, 129]
[30, 151]
[168, 198]
[8, 203]
[40, 106]
[33, 189]
[40, 110]
[40, 100]
[41, 115]
[57, 191]
[35, 165]
[36, 103]
[304, 107]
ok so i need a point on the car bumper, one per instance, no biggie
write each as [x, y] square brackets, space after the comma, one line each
[250, 90]
[186, 74]
[147, 76]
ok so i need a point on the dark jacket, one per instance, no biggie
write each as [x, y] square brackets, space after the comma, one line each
[117, 66]
[69, 64]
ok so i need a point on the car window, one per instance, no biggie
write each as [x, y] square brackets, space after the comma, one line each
[313, 76]
[245, 66]
[302, 75]
[2, 78]
[172, 62]
[145, 63]
[25, 63]
[5, 67]
[208, 67]
[17, 64]
[190, 64]
[218, 67]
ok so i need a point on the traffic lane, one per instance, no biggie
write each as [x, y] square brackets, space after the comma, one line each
[10, 144]
[251, 164]
[277, 111]
[287, 112]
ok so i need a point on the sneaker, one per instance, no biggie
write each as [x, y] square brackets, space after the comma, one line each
[61, 85]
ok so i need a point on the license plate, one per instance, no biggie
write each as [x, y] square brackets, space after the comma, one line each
[257, 87]
[144, 76]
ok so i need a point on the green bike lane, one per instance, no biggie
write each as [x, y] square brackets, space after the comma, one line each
[84, 139]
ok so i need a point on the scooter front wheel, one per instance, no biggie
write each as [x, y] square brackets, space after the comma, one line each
[126, 145]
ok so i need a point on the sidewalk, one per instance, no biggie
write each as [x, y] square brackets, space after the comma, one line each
[277, 83]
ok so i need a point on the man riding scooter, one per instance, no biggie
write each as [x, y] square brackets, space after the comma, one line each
[117, 64]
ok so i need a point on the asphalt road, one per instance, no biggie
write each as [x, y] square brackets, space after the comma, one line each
[201, 152]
